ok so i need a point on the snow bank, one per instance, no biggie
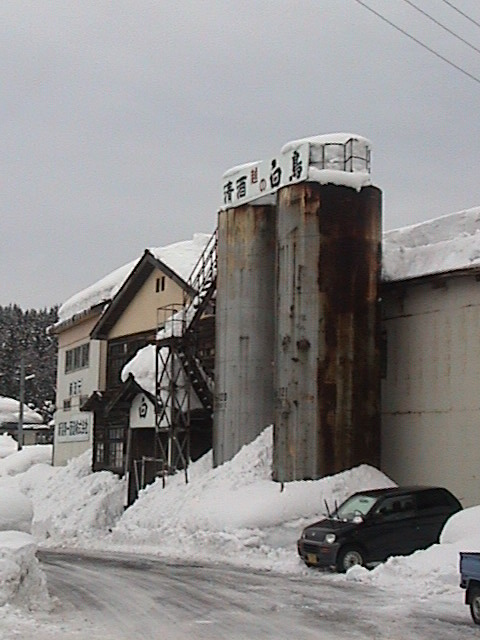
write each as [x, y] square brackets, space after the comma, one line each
[16, 511]
[22, 583]
[20, 461]
[7, 445]
[181, 257]
[236, 511]
[448, 243]
[74, 502]
[432, 571]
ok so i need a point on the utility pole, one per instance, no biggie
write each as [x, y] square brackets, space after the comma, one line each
[23, 377]
[22, 399]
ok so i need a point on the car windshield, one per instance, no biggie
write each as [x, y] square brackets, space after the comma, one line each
[358, 505]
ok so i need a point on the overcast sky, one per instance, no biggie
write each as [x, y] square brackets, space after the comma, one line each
[119, 118]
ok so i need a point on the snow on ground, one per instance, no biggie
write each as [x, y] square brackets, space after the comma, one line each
[232, 514]
[74, 503]
[21, 461]
[22, 582]
[16, 510]
[7, 445]
[236, 512]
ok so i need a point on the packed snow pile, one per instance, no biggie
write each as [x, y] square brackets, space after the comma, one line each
[236, 511]
[10, 409]
[16, 511]
[180, 257]
[74, 502]
[7, 445]
[431, 571]
[448, 243]
[20, 461]
[22, 582]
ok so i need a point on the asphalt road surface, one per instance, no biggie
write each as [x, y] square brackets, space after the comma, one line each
[125, 597]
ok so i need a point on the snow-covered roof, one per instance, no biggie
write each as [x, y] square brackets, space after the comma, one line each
[445, 244]
[181, 257]
[9, 410]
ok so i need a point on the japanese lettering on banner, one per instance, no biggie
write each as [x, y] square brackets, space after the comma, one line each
[259, 179]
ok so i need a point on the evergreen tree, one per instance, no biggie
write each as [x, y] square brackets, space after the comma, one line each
[24, 333]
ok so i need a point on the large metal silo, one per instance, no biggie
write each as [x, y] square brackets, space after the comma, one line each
[327, 382]
[244, 327]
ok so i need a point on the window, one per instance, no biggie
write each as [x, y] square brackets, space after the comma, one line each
[433, 499]
[115, 454]
[77, 358]
[160, 284]
[75, 388]
[397, 507]
[119, 353]
[99, 452]
[67, 405]
[116, 447]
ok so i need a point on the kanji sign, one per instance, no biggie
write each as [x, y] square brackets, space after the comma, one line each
[258, 179]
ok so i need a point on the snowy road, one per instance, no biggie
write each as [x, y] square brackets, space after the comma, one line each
[120, 596]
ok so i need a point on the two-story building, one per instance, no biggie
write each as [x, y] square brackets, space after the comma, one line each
[99, 330]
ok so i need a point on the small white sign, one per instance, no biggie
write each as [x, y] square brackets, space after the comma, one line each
[75, 429]
[259, 179]
[142, 412]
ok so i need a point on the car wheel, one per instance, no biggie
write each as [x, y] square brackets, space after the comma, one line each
[475, 604]
[349, 557]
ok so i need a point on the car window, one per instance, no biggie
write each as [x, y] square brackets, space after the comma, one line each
[358, 505]
[396, 507]
[434, 500]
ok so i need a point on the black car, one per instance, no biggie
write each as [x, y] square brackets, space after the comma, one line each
[372, 525]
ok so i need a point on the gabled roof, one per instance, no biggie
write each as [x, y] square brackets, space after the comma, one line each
[108, 401]
[180, 257]
[147, 264]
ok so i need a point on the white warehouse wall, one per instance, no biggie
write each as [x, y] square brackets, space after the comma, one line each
[431, 392]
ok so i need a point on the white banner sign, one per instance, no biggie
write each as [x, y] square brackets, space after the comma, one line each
[75, 429]
[142, 412]
[258, 179]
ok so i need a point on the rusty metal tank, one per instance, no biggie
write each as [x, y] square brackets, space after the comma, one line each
[244, 329]
[327, 381]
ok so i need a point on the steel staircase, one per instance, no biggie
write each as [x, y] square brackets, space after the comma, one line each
[173, 418]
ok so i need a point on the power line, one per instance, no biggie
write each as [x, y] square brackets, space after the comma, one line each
[455, 35]
[450, 4]
[405, 33]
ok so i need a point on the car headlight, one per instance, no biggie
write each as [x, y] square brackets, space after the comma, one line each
[330, 538]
